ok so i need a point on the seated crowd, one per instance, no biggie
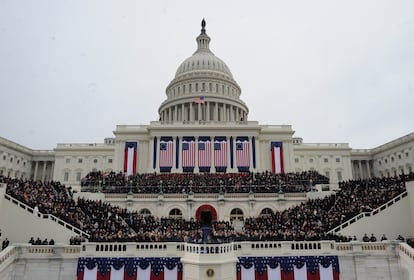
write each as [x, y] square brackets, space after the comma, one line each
[311, 220]
[264, 182]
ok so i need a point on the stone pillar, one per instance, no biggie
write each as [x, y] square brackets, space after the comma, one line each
[196, 169]
[360, 169]
[52, 169]
[229, 154]
[199, 113]
[212, 169]
[369, 169]
[169, 114]
[157, 167]
[44, 170]
[216, 111]
[180, 158]
[35, 171]
[174, 166]
[251, 169]
[191, 113]
[207, 111]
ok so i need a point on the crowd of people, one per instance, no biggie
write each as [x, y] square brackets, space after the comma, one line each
[263, 182]
[38, 241]
[311, 220]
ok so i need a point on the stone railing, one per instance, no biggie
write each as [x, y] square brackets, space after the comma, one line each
[53, 218]
[235, 248]
[7, 256]
[406, 254]
[368, 214]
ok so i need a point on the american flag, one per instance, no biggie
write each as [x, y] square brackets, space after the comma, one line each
[204, 153]
[242, 153]
[188, 152]
[199, 100]
[288, 268]
[129, 269]
[220, 152]
[130, 158]
[166, 153]
[276, 149]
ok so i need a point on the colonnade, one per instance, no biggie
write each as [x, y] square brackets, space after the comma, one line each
[207, 111]
[362, 169]
[43, 172]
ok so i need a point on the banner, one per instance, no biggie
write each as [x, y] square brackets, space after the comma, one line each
[129, 269]
[130, 158]
[204, 153]
[288, 268]
[188, 153]
[276, 149]
[220, 153]
[242, 154]
[166, 154]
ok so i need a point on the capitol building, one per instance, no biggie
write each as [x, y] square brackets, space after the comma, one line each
[203, 112]
[204, 128]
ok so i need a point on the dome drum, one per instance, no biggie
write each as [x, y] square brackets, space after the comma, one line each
[206, 78]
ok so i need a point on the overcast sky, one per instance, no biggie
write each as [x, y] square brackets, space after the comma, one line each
[337, 71]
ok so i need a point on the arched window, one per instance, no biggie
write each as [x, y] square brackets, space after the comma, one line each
[175, 214]
[236, 214]
[145, 212]
[266, 212]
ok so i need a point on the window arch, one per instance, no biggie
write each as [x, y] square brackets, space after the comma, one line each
[145, 212]
[266, 212]
[236, 214]
[175, 213]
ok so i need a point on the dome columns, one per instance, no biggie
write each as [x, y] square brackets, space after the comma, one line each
[209, 111]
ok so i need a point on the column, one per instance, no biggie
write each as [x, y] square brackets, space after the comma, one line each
[44, 171]
[175, 154]
[229, 154]
[196, 169]
[212, 169]
[35, 171]
[52, 169]
[369, 169]
[199, 114]
[175, 117]
[207, 111]
[180, 160]
[169, 114]
[216, 112]
[183, 112]
[250, 154]
[157, 166]
[360, 169]
[191, 113]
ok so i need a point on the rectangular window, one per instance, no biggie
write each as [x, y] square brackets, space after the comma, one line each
[338, 160]
[296, 160]
[325, 160]
[68, 160]
[78, 176]
[66, 177]
[327, 174]
[109, 160]
[80, 160]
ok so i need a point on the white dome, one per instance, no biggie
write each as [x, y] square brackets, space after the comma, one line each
[203, 61]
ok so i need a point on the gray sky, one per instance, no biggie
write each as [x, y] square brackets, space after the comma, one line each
[337, 71]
